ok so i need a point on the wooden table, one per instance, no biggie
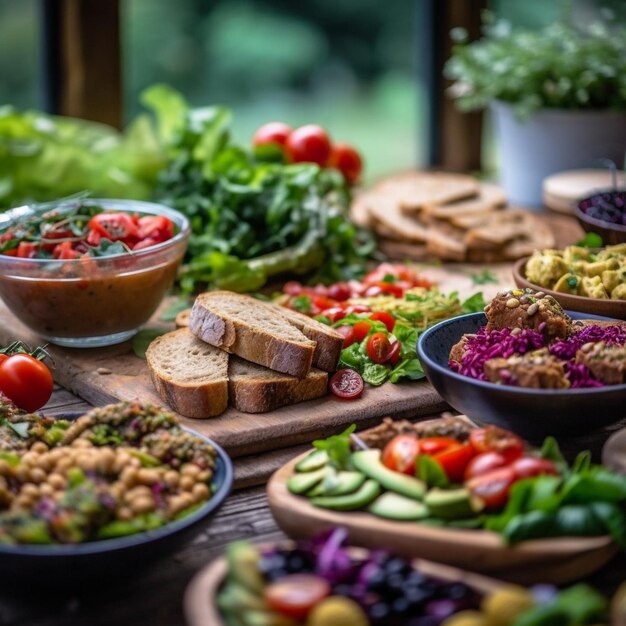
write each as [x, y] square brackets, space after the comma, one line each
[154, 596]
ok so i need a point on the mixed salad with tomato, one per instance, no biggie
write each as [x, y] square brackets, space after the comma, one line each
[479, 478]
[380, 318]
[310, 144]
[83, 229]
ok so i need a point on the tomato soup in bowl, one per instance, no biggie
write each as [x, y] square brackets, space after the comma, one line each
[89, 273]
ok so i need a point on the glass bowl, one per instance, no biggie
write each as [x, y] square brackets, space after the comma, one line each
[94, 301]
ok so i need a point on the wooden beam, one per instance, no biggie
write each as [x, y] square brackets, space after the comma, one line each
[89, 74]
[456, 136]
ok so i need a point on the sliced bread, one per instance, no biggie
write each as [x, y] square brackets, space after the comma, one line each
[256, 389]
[328, 341]
[190, 375]
[251, 329]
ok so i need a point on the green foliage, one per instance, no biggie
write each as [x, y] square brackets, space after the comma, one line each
[560, 66]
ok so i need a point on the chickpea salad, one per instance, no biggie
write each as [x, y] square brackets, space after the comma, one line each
[117, 470]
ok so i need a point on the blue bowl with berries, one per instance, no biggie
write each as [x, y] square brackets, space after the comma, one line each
[604, 213]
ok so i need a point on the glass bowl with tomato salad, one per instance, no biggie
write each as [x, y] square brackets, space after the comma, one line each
[84, 273]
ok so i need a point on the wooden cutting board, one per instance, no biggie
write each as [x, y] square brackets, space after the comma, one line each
[111, 374]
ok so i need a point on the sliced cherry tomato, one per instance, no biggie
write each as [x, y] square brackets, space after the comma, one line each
[334, 314]
[383, 288]
[322, 302]
[347, 160]
[484, 463]
[308, 143]
[272, 133]
[347, 384]
[156, 227]
[26, 250]
[114, 226]
[293, 288]
[434, 445]
[400, 454]
[349, 336]
[26, 381]
[357, 308]
[394, 353]
[384, 317]
[528, 466]
[454, 460]
[296, 594]
[378, 348]
[64, 250]
[495, 439]
[339, 291]
[493, 488]
[361, 329]
[145, 243]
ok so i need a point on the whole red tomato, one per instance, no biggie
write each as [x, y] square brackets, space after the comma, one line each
[400, 454]
[272, 132]
[308, 143]
[26, 381]
[347, 160]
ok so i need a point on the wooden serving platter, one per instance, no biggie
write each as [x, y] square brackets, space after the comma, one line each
[557, 561]
[200, 600]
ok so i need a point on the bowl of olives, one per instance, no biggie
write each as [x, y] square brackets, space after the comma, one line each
[604, 213]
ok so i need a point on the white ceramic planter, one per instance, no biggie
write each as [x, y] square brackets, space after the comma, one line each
[550, 141]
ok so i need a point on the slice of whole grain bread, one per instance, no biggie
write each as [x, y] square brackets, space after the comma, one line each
[256, 389]
[190, 375]
[253, 330]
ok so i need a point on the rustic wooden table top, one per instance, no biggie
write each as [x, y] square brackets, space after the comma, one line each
[154, 596]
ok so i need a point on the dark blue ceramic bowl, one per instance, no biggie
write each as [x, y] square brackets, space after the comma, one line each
[532, 413]
[111, 559]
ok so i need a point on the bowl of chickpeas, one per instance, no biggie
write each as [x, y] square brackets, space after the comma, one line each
[108, 492]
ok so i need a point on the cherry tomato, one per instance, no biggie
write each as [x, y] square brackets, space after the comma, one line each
[495, 439]
[378, 348]
[113, 226]
[322, 302]
[308, 143]
[493, 488]
[361, 329]
[26, 381]
[272, 132]
[26, 250]
[334, 314]
[383, 288]
[347, 160]
[347, 384]
[394, 353]
[403, 275]
[156, 227]
[357, 308]
[433, 445]
[293, 288]
[385, 318]
[146, 243]
[296, 594]
[339, 291]
[454, 460]
[349, 336]
[400, 454]
[484, 463]
[64, 250]
[528, 466]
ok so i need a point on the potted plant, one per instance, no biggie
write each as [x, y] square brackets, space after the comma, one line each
[558, 97]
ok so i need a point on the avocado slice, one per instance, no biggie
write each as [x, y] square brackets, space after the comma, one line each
[314, 461]
[368, 462]
[369, 490]
[396, 507]
[301, 483]
[452, 503]
[338, 484]
[243, 566]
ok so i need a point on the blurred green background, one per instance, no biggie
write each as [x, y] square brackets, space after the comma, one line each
[349, 65]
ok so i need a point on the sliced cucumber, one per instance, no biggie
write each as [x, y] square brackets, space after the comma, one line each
[368, 491]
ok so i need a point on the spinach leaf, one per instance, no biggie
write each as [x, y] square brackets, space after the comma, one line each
[430, 471]
[474, 304]
[337, 448]
[582, 603]
[614, 520]
[375, 374]
[483, 277]
[550, 450]
[177, 306]
[407, 368]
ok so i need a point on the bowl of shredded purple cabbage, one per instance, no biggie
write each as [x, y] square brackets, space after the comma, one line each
[527, 379]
